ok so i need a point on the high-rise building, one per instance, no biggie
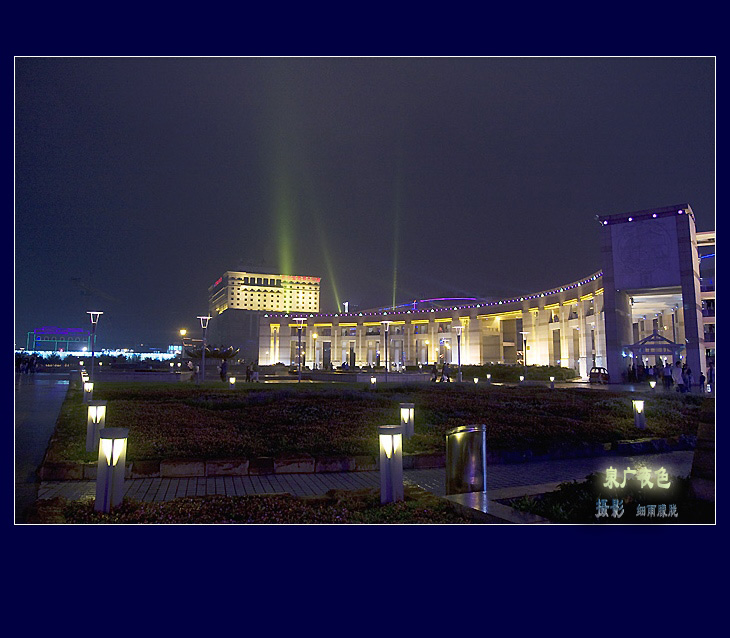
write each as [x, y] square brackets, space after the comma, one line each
[264, 293]
[237, 299]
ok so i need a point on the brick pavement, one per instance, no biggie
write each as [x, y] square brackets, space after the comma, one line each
[498, 477]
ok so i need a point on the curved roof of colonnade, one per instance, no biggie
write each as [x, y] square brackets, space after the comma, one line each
[503, 305]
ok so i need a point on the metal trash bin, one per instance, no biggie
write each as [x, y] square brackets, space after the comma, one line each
[466, 459]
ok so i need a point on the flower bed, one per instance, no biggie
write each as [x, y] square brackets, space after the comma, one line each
[321, 420]
[336, 507]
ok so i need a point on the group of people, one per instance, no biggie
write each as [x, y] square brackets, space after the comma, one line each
[679, 376]
[252, 371]
[445, 373]
[25, 364]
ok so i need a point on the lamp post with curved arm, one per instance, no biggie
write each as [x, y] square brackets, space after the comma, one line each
[204, 325]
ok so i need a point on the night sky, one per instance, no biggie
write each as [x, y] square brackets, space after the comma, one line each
[139, 181]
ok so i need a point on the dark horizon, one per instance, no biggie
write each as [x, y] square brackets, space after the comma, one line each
[140, 181]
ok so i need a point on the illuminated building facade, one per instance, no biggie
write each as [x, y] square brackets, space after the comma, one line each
[51, 338]
[263, 293]
[237, 299]
[657, 281]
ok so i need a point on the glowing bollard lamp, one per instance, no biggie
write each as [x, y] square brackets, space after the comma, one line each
[489, 379]
[232, 383]
[522, 378]
[652, 384]
[95, 419]
[407, 419]
[391, 463]
[476, 379]
[88, 391]
[111, 468]
[373, 381]
[639, 414]
[552, 383]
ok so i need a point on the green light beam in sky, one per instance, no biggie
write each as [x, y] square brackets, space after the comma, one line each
[396, 228]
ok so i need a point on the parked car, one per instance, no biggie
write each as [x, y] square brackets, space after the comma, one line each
[598, 375]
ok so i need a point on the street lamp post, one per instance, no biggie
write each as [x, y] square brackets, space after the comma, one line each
[524, 351]
[314, 339]
[94, 320]
[386, 324]
[183, 332]
[300, 321]
[204, 325]
[458, 330]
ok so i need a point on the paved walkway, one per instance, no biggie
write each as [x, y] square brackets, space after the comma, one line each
[38, 400]
[434, 480]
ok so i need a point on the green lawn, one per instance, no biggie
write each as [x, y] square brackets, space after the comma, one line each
[185, 421]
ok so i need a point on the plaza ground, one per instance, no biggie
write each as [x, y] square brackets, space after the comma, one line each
[38, 400]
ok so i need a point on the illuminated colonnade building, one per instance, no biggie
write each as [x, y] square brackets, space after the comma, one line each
[650, 287]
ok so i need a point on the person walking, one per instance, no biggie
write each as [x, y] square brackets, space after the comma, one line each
[702, 382]
[224, 370]
[711, 377]
[667, 376]
[445, 373]
[255, 372]
[248, 373]
[677, 378]
[434, 372]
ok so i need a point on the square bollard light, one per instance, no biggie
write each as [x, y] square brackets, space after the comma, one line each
[652, 384]
[391, 463]
[232, 383]
[406, 419]
[476, 380]
[489, 379]
[373, 381]
[552, 383]
[95, 419]
[111, 468]
[639, 415]
[522, 378]
[88, 391]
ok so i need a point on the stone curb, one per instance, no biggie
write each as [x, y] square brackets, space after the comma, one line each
[305, 464]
